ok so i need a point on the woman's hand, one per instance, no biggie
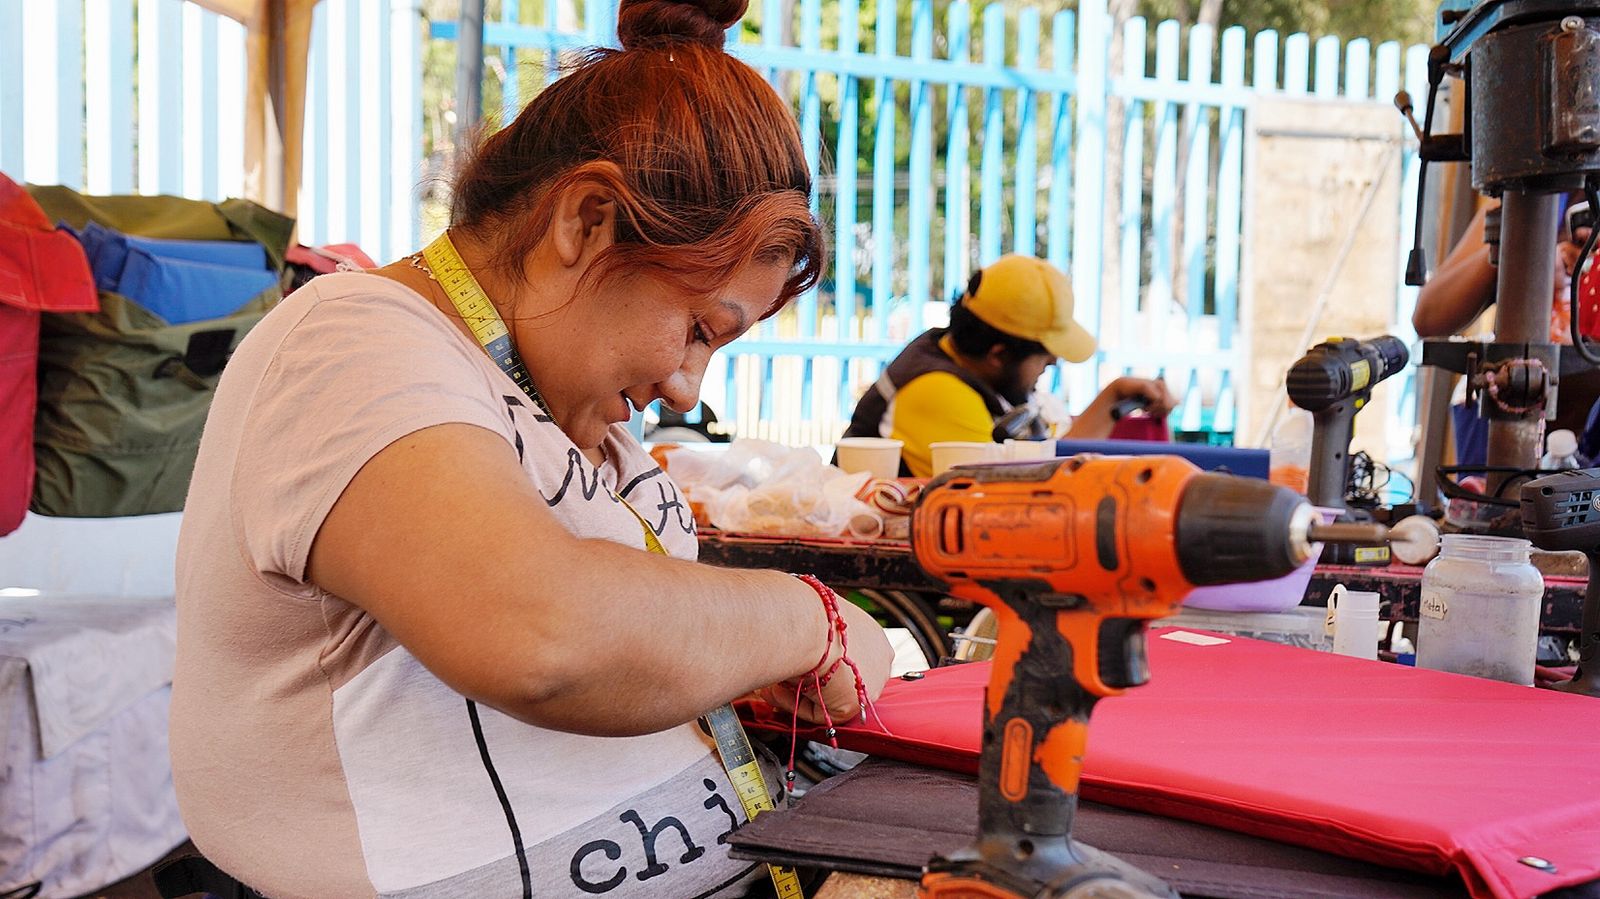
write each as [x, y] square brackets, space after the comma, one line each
[870, 651]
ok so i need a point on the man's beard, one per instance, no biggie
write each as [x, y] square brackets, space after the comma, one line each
[1012, 389]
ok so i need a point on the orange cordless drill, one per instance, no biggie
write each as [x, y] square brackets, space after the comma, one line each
[1075, 557]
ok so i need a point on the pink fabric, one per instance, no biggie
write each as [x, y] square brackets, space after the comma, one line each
[325, 260]
[1405, 767]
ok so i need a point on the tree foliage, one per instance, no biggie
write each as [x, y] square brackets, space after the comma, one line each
[1407, 21]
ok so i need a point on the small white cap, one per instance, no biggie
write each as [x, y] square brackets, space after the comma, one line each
[1561, 442]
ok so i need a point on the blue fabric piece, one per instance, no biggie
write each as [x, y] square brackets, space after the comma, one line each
[1472, 435]
[1589, 440]
[181, 291]
[1250, 463]
[180, 280]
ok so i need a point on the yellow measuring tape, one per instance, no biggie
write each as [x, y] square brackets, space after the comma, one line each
[447, 268]
[738, 758]
[733, 746]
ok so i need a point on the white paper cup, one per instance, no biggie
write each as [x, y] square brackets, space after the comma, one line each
[877, 456]
[950, 453]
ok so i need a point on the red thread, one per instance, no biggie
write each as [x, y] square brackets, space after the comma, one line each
[837, 628]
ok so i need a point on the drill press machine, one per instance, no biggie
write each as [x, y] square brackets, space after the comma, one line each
[1531, 70]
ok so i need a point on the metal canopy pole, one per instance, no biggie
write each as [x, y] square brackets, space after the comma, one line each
[469, 71]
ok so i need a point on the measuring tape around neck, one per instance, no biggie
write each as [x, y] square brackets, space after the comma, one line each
[733, 746]
[464, 291]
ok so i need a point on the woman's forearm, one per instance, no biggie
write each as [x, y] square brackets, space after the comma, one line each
[652, 640]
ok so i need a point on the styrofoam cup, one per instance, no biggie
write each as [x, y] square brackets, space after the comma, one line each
[949, 453]
[877, 456]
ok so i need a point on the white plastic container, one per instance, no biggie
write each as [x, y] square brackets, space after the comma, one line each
[1029, 450]
[1289, 456]
[1300, 626]
[1353, 618]
[950, 453]
[877, 456]
[1480, 609]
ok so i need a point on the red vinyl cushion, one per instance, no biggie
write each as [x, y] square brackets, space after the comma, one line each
[1406, 767]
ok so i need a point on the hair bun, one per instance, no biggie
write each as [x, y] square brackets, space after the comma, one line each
[644, 23]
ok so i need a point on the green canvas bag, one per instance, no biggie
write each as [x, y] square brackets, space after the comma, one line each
[123, 394]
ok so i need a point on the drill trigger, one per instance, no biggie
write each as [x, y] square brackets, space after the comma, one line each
[1123, 662]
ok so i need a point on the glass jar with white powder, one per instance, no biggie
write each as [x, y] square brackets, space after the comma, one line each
[1481, 599]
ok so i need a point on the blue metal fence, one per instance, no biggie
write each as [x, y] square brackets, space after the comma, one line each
[971, 132]
[1007, 118]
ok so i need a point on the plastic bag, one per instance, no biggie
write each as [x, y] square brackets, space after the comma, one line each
[761, 487]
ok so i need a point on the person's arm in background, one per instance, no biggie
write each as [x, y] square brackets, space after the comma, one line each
[1461, 288]
[1095, 423]
[934, 407]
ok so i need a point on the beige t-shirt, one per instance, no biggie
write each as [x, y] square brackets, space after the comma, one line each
[313, 755]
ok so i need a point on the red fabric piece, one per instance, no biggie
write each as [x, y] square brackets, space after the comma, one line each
[41, 270]
[1141, 427]
[19, 395]
[1401, 766]
[325, 259]
[1588, 303]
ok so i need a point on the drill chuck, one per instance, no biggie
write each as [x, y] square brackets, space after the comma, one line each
[1233, 529]
[1341, 367]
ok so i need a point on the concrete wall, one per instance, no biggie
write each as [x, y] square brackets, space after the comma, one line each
[1323, 177]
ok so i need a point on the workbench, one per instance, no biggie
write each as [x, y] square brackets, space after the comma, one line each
[888, 574]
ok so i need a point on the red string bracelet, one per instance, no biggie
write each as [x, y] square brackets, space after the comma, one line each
[830, 602]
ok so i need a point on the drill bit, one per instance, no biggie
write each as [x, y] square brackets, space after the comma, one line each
[1362, 532]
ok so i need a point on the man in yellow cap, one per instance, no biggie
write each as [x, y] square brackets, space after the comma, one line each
[967, 381]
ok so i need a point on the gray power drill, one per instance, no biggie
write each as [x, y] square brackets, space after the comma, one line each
[1333, 381]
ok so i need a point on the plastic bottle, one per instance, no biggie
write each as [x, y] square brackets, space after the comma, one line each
[1561, 450]
[1289, 457]
[1480, 609]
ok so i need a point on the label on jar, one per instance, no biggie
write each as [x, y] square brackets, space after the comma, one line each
[1434, 606]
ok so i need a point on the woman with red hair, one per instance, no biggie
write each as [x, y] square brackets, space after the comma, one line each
[440, 628]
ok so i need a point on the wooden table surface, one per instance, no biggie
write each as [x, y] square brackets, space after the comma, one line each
[859, 886]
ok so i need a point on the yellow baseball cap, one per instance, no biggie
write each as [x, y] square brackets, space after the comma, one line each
[1032, 299]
